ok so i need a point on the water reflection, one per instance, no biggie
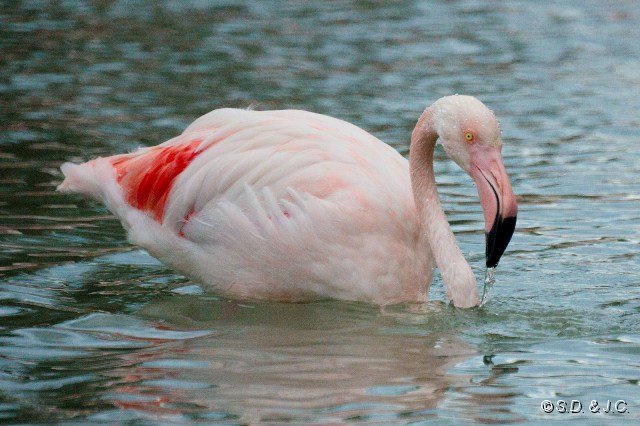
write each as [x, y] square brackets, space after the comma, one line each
[323, 361]
[194, 357]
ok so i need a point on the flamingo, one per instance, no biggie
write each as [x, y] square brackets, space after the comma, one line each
[296, 206]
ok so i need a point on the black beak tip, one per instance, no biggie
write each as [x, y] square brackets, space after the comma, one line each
[498, 239]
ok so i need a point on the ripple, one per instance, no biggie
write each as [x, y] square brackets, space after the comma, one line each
[127, 326]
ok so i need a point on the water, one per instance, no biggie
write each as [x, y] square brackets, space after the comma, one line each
[488, 283]
[94, 329]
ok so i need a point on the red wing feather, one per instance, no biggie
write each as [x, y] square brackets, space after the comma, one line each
[147, 178]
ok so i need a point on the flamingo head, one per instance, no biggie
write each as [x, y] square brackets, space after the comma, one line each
[470, 134]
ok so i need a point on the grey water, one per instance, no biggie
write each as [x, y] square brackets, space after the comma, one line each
[93, 329]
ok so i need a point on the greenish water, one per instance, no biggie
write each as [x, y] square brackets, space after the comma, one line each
[94, 329]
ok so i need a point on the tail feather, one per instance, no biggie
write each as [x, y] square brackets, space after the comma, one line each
[83, 179]
[95, 179]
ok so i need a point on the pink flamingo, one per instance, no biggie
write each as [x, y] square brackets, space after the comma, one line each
[296, 206]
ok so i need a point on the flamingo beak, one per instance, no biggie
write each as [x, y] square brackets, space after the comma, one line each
[497, 199]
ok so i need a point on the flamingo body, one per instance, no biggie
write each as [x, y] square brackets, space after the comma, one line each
[279, 205]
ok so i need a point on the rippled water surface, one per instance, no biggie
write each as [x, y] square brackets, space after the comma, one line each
[94, 329]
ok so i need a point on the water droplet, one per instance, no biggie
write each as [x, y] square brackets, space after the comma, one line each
[489, 281]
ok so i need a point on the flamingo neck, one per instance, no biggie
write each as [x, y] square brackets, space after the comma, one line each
[459, 281]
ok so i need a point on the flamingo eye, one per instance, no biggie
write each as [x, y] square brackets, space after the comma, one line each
[469, 137]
